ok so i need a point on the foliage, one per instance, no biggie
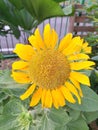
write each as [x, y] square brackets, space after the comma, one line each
[16, 114]
[27, 14]
[90, 8]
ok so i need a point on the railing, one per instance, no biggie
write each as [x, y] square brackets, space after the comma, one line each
[7, 44]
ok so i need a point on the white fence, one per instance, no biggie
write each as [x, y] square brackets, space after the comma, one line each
[60, 24]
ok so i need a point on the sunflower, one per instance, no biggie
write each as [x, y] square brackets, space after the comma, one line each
[54, 71]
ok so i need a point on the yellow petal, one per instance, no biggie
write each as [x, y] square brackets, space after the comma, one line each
[53, 38]
[48, 99]
[36, 40]
[72, 46]
[87, 50]
[50, 36]
[79, 46]
[33, 42]
[73, 90]
[81, 65]
[47, 35]
[54, 100]
[81, 78]
[43, 97]
[65, 41]
[68, 96]
[78, 56]
[39, 39]
[28, 92]
[85, 45]
[36, 97]
[17, 65]
[25, 52]
[77, 85]
[20, 77]
[59, 97]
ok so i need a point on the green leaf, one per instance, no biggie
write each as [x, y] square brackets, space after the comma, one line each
[17, 4]
[15, 30]
[15, 116]
[9, 86]
[15, 18]
[32, 127]
[6, 81]
[24, 19]
[59, 0]
[86, 72]
[79, 124]
[5, 77]
[89, 101]
[94, 80]
[42, 9]
[54, 119]
[47, 124]
[59, 116]
[1, 108]
[95, 58]
[3, 96]
[90, 116]
[68, 9]
[7, 122]
[62, 128]
[13, 107]
[74, 114]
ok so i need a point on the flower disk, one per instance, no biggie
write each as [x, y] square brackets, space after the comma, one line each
[49, 69]
[55, 72]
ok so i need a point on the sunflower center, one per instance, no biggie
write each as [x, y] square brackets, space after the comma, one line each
[49, 69]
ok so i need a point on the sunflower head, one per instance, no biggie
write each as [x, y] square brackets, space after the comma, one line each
[54, 72]
[49, 69]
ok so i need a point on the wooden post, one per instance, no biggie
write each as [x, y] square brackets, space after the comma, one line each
[71, 22]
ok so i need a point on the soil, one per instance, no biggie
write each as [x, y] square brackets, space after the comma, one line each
[5, 64]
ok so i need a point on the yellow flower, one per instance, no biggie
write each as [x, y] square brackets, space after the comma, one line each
[52, 70]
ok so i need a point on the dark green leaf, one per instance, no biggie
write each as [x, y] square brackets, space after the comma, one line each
[59, 0]
[24, 19]
[18, 4]
[42, 9]
[15, 18]
[15, 30]
[1, 108]
[89, 101]
[3, 96]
